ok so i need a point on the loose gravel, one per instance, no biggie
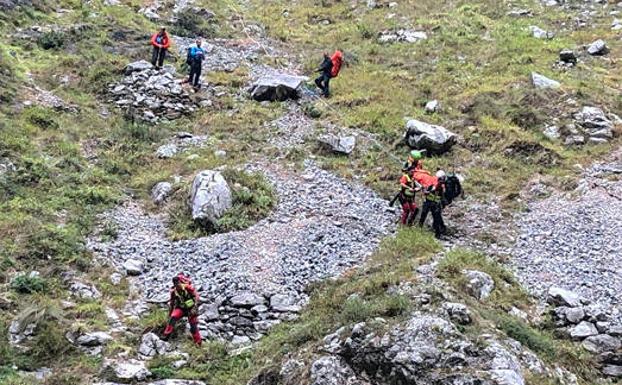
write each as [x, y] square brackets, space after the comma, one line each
[322, 226]
[575, 242]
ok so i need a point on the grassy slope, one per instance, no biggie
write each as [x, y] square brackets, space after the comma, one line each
[476, 60]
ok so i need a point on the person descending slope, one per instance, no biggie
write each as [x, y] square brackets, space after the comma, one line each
[433, 190]
[196, 55]
[160, 42]
[407, 197]
[184, 302]
[325, 71]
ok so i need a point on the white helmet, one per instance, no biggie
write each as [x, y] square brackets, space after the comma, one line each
[440, 174]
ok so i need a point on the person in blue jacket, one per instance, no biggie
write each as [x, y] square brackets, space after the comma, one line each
[196, 55]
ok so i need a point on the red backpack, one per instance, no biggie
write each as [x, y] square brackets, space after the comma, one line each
[337, 60]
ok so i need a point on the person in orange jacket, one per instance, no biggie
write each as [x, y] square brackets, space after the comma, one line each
[160, 42]
[184, 301]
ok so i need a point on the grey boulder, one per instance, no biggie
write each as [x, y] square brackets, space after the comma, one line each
[93, 339]
[595, 122]
[599, 47]
[331, 370]
[210, 197]
[562, 297]
[583, 330]
[284, 303]
[279, 87]
[601, 343]
[137, 66]
[247, 299]
[124, 371]
[339, 144]
[134, 266]
[458, 312]
[160, 192]
[542, 82]
[480, 285]
[434, 139]
[151, 345]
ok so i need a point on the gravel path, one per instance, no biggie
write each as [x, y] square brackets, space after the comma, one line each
[322, 226]
[576, 243]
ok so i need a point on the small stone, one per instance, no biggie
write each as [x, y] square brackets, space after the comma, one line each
[432, 106]
[134, 267]
[597, 48]
[458, 312]
[542, 82]
[575, 315]
[480, 284]
[160, 192]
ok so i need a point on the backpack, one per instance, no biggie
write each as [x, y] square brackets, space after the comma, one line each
[337, 60]
[453, 188]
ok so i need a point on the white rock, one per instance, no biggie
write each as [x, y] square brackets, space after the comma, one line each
[210, 196]
[480, 284]
[583, 330]
[134, 266]
[542, 82]
[562, 297]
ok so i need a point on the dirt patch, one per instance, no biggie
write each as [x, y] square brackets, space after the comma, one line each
[532, 153]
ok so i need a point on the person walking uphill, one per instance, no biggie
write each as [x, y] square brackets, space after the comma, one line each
[160, 42]
[196, 55]
[184, 302]
[330, 67]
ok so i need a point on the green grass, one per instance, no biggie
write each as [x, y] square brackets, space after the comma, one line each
[476, 62]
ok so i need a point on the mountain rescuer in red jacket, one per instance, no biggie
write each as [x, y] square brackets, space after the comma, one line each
[329, 69]
[160, 42]
[184, 302]
[407, 197]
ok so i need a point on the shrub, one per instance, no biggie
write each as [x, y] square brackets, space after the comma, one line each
[41, 117]
[51, 40]
[28, 284]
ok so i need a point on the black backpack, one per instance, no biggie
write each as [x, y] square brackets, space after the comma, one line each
[453, 188]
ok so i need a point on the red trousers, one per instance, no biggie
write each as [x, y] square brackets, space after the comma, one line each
[409, 212]
[193, 320]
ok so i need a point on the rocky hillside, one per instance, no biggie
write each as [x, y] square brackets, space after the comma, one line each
[116, 175]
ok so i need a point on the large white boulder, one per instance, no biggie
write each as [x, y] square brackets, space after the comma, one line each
[434, 139]
[210, 197]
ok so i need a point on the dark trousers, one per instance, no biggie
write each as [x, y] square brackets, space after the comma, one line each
[195, 74]
[437, 216]
[322, 83]
[157, 57]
